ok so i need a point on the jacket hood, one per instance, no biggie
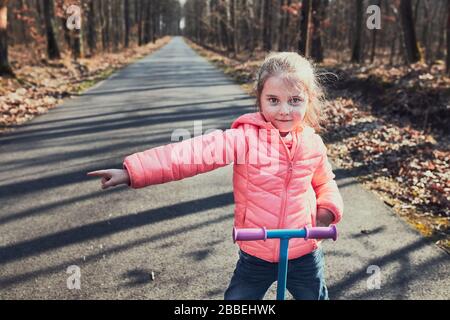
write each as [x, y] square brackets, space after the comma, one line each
[258, 120]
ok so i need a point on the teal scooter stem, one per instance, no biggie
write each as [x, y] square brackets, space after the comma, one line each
[284, 235]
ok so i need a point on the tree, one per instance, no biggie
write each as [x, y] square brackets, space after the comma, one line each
[305, 39]
[223, 18]
[139, 8]
[49, 18]
[356, 50]
[77, 43]
[409, 33]
[310, 43]
[284, 26]
[267, 31]
[147, 17]
[92, 30]
[127, 23]
[317, 13]
[235, 25]
[249, 17]
[374, 38]
[5, 68]
[448, 36]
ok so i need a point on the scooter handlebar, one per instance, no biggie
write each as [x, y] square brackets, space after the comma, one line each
[261, 233]
[249, 234]
[321, 233]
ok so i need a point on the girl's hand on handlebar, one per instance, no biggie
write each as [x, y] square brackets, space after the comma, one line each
[324, 217]
[111, 177]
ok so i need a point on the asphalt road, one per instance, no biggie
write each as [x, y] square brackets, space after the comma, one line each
[52, 216]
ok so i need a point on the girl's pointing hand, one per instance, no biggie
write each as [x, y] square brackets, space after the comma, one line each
[111, 177]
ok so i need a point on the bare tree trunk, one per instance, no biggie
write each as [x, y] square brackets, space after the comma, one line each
[92, 30]
[425, 27]
[223, 25]
[416, 10]
[439, 54]
[101, 11]
[374, 39]
[303, 45]
[409, 33]
[275, 24]
[288, 39]
[234, 23]
[249, 19]
[23, 26]
[448, 36]
[106, 18]
[77, 45]
[115, 15]
[155, 21]
[281, 25]
[356, 51]
[146, 26]
[5, 68]
[284, 34]
[260, 39]
[66, 32]
[49, 17]
[140, 6]
[267, 29]
[127, 23]
[317, 15]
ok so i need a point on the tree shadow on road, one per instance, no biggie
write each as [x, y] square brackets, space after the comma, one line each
[6, 282]
[409, 273]
[104, 228]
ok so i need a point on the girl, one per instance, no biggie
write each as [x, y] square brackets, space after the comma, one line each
[281, 176]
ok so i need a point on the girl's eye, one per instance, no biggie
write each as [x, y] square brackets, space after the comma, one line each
[297, 100]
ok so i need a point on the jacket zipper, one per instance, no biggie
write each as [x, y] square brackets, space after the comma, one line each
[286, 184]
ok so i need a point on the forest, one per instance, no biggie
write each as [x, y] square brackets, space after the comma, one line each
[406, 32]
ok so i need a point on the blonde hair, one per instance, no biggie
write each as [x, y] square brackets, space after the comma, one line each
[299, 73]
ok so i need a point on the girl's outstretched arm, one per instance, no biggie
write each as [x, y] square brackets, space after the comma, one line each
[187, 158]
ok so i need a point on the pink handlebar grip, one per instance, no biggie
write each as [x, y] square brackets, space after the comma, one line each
[321, 233]
[249, 234]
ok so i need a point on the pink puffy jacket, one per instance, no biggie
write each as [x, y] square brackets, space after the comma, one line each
[274, 187]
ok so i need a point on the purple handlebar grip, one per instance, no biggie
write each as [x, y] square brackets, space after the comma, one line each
[321, 233]
[249, 234]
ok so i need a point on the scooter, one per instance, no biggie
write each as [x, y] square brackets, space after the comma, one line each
[284, 235]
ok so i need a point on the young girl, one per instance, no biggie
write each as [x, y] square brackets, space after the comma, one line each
[282, 178]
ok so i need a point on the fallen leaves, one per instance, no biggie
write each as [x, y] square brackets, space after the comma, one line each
[408, 167]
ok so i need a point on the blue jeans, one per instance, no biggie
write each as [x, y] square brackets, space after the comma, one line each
[253, 277]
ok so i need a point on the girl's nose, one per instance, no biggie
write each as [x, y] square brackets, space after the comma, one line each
[285, 108]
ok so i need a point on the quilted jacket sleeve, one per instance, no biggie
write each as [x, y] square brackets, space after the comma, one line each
[325, 187]
[186, 158]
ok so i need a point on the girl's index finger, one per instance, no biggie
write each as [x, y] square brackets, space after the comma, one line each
[98, 173]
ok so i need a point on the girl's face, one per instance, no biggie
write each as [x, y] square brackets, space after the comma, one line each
[284, 108]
